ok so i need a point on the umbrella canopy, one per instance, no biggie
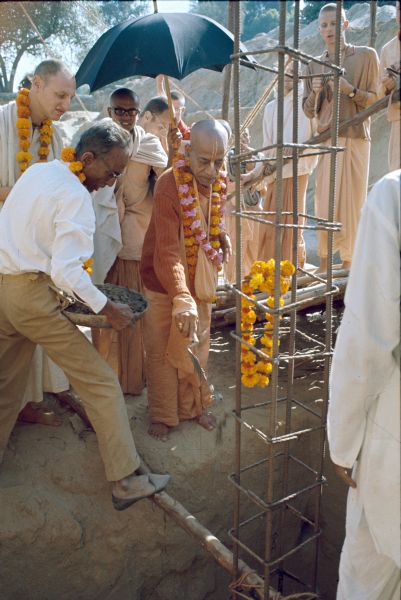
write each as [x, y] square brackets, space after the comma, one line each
[175, 44]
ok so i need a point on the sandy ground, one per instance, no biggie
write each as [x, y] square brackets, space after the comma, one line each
[60, 538]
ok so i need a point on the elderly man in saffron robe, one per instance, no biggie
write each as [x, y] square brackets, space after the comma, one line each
[183, 249]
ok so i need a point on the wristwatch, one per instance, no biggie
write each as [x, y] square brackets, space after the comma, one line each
[352, 94]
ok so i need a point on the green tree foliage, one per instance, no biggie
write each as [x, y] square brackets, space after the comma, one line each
[75, 24]
[311, 9]
[256, 16]
[115, 11]
[17, 35]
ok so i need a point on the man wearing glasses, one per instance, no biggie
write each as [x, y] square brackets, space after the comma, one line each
[124, 108]
[119, 238]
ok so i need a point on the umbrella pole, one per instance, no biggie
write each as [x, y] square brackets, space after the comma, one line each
[170, 102]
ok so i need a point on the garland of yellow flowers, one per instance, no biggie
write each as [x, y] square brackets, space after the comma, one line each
[76, 167]
[24, 126]
[255, 371]
[195, 236]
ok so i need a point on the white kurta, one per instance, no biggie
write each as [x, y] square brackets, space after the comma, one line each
[44, 374]
[364, 408]
[390, 57]
[306, 164]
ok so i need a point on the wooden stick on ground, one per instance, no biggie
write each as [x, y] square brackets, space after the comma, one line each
[206, 539]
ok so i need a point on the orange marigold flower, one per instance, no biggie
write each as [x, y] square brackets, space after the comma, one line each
[24, 134]
[23, 112]
[23, 123]
[43, 151]
[68, 154]
[249, 380]
[76, 166]
[264, 366]
[215, 244]
[256, 281]
[24, 144]
[270, 302]
[81, 177]
[23, 156]
[263, 381]
[267, 341]
[45, 139]
[286, 268]
[248, 368]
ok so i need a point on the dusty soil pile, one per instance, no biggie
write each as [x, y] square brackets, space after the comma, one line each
[60, 538]
[115, 293]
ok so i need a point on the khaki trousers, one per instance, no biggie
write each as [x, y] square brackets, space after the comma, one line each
[30, 315]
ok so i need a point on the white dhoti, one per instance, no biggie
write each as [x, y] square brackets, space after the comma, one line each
[364, 573]
[44, 374]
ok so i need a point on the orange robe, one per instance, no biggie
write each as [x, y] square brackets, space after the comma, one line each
[175, 392]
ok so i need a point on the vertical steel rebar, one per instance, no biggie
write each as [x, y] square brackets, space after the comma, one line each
[293, 315]
[373, 32]
[276, 322]
[329, 300]
[238, 389]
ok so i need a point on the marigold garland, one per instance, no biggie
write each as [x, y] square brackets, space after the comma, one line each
[256, 371]
[194, 234]
[24, 128]
[87, 266]
[75, 166]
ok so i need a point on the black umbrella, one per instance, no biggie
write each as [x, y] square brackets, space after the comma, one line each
[175, 44]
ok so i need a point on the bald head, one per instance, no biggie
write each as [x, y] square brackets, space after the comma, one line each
[208, 147]
[210, 130]
[53, 87]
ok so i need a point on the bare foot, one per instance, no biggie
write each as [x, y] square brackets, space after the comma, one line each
[207, 420]
[39, 415]
[159, 431]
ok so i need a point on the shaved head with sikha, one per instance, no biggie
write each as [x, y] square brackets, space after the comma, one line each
[207, 150]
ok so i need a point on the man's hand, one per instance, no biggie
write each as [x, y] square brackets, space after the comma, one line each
[342, 472]
[4, 191]
[226, 246]
[388, 83]
[174, 138]
[186, 323]
[118, 315]
[345, 86]
[317, 84]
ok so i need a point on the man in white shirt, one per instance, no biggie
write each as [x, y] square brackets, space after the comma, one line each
[46, 235]
[364, 409]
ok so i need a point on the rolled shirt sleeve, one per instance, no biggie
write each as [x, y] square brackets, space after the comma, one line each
[72, 246]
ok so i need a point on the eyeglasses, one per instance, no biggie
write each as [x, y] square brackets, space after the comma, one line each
[120, 112]
[110, 174]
